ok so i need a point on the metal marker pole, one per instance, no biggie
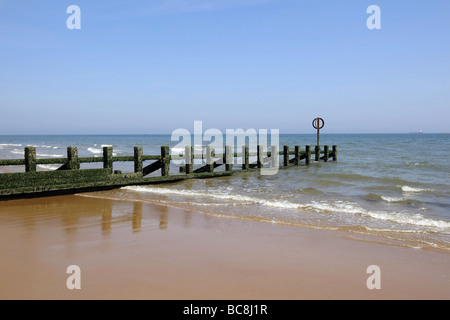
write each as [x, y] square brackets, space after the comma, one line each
[318, 131]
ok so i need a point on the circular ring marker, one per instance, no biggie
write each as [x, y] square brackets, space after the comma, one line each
[318, 123]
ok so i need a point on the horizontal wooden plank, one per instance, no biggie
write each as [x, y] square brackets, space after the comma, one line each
[113, 181]
[51, 178]
[12, 162]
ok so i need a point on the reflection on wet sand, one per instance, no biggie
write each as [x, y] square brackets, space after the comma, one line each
[106, 220]
[137, 217]
[119, 213]
[126, 250]
[73, 216]
[164, 218]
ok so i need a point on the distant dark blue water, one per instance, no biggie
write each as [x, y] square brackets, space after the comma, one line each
[393, 188]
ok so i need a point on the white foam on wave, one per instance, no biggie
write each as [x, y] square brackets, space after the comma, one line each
[17, 151]
[50, 155]
[397, 217]
[95, 150]
[44, 147]
[394, 230]
[219, 196]
[336, 207]
[10, 145]
[49, 167]
[417, 164]
[392, 199]
[414, 190]
[408, 218]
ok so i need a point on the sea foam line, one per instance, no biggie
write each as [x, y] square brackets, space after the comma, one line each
[50, 155]
[407, 218]
[97, 151]
[49, 167]
[10, 145]
[239, 198]
[94, 150]
[320, 207]
[414, 190]
[392, 199]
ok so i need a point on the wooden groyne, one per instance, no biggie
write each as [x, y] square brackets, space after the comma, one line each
[70, 178]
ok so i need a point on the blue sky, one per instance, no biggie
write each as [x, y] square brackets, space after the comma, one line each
[157, 65]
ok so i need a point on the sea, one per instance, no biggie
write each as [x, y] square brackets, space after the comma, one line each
[388, 188]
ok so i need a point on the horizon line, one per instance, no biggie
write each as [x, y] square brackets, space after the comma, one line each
[149, 134]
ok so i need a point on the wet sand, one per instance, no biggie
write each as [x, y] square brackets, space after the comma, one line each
[135, 250]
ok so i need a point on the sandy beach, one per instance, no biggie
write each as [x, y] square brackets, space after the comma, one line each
[135, 250]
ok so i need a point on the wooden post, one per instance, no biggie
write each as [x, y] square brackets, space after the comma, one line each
[229, 158]
[326, 155]
[285, 156]
[138, 163]
[245, 158]
[209, 159]
[335, 153]
[275, 156]
[189, 159]
[308, 154]
[108, 158]
[30, 159]
[72, 159]
[260, 156]
[317, 153]
[297, 156]
[165, 161]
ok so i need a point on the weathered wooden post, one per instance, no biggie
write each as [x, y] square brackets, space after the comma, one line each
[30, 159]
[285, 156]
[138, 156]
[275, 156]
[245, 158]
[317, 153]
[335, 153]
[259, 156]
[72, 159]
[108, 158]
[297, 156]
[165, 161]
[189, 159]
[229, 158]
[308, 154]
[326, 155]
[209, 159]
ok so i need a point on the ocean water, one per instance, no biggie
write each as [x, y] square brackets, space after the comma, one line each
[389, 188]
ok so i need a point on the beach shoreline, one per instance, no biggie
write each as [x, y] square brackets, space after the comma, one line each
[136, 250]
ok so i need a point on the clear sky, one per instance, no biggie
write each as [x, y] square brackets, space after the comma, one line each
[157, 65]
